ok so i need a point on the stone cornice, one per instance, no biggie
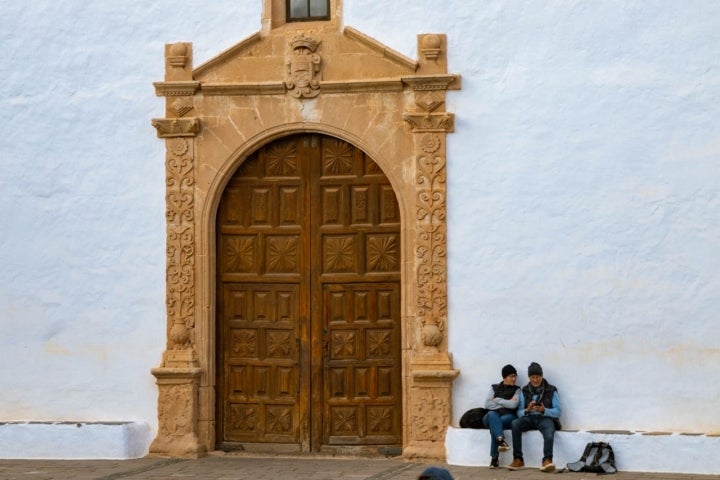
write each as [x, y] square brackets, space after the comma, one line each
[433, 82]
[176, 89]
[278, 88]
[176, 127]
[239, 89]
[417, 83]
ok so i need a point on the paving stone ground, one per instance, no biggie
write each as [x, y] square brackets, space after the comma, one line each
[247, 467]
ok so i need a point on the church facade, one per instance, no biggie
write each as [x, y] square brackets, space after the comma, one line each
[334, 242]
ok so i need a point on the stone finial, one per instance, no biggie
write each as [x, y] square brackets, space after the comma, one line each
[178, 61]
[431, 46]
[433, 55]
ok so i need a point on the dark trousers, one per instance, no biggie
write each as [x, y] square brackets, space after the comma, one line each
[544, 424]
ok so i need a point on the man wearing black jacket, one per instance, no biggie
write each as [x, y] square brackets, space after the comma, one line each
[538, 409]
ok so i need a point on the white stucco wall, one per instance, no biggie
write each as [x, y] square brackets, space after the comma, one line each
[583, 203]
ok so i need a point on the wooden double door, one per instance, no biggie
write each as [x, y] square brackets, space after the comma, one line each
[308, 296]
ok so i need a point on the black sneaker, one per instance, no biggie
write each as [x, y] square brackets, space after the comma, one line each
[502, 445]
[494, 463]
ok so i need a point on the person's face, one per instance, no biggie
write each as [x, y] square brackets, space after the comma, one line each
[510, 379]
[535, 380]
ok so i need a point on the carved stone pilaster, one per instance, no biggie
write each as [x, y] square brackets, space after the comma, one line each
[430, 130]
[431, 368]
[179, 375]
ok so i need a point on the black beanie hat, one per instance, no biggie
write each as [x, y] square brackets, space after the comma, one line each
[535, 369]
[508, 370]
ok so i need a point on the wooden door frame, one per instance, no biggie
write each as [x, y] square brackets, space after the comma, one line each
[216, 117]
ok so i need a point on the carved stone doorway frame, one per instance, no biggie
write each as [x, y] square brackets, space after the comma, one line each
[285, 79]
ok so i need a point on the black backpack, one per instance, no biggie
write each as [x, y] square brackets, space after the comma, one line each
[473, 418]
[598, 457]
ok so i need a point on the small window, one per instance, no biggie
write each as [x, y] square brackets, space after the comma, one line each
[307, 10]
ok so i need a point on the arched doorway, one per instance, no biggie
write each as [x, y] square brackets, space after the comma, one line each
[216, 114]
[308, 301]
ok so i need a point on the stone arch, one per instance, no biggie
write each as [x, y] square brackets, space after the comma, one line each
[221, 112]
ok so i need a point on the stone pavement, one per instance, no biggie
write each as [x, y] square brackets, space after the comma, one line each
[246, 467]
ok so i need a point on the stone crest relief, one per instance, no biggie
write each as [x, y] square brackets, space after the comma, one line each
[303, 68]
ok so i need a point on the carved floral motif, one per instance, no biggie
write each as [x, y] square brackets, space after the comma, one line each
[430, 413]
[180, 275]
[431, 247]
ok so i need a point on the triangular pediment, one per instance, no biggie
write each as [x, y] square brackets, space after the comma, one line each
[346, 55]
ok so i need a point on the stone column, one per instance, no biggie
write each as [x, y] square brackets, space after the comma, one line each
[178, 375]
[431, 370]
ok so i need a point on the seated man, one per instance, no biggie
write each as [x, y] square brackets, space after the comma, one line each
[538, 409]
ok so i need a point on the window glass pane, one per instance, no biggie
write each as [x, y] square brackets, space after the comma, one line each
[318, 8]
[298, 9]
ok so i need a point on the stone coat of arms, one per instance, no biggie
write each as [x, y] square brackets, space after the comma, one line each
[303, 68]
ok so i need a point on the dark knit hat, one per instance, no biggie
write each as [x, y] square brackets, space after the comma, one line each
[535, 369]
[435, 473]
[508, 370]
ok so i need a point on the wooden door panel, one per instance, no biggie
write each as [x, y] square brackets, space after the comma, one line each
[363, 391]
[262, 360]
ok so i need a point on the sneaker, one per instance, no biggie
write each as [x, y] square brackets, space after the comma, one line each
[494, 463]
[503, 445]
[516, 464]
[547, 466]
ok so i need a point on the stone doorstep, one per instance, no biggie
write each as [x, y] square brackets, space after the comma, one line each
[74, 440]
[658, 452]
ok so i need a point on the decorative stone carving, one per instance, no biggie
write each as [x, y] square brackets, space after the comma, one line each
[430, 409]
[431, 46]
[394, 107]
[303, 68]
[180, 243]
[176, 89]
[181, 106]
[431, 122]
[178, 376]
[177, 413]
[431, 254]
[176, 127]
[178, 55]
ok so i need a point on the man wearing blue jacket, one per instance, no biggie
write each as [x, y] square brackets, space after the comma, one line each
[538, 409]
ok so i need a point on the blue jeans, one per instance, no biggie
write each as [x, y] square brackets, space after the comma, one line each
[546, 425]
[497, 423]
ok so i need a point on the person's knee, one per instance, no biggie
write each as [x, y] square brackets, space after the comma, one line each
[548, 433]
